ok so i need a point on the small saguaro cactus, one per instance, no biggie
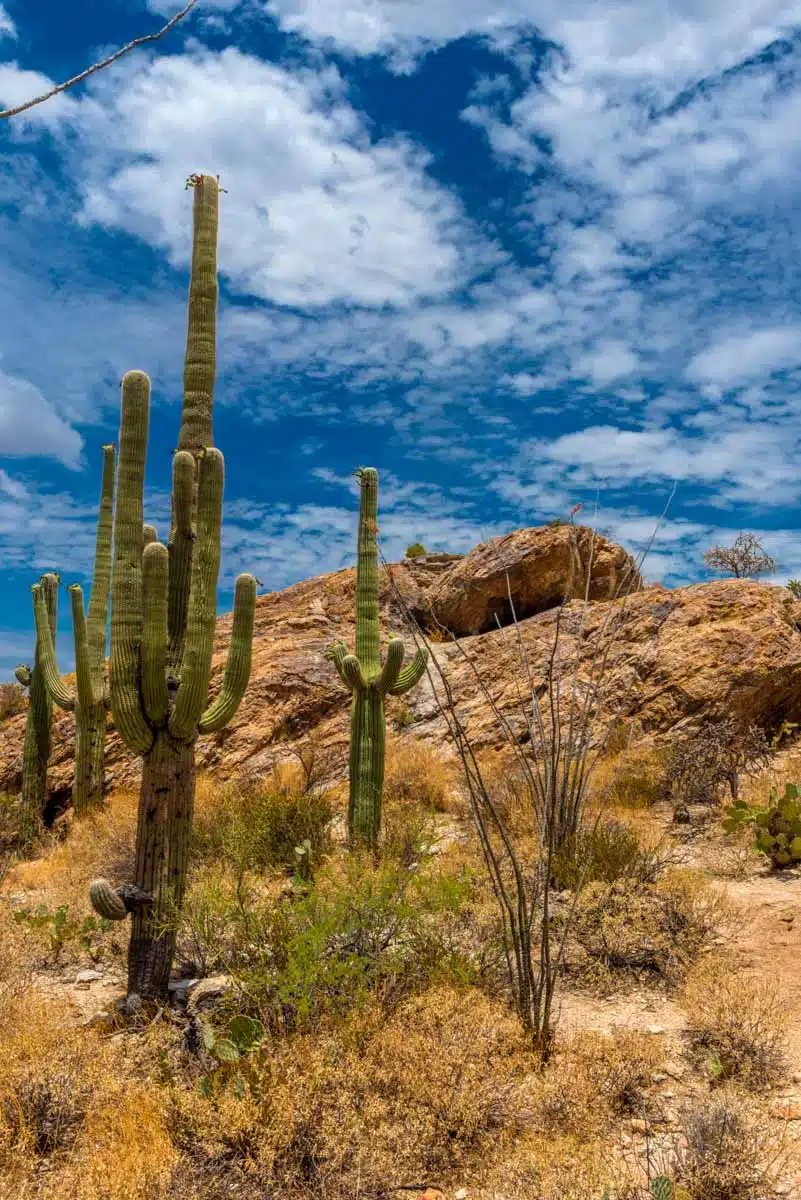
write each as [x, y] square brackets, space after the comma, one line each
[36, 751]
[89, 699]
[369, 682]
[163, 616]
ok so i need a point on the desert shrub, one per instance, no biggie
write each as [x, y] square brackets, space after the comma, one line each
[254, 828]
[58, 929]
[736, 1024]
[717, 755]
[637, 781]
[363, 932]
[652, 929]
[416, 550]
[794, 587]
[729, 1153]
[45, 1110]
[12, 700]
[607, 852]
[608, 1077]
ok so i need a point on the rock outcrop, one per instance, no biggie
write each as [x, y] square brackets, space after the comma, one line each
[676, 658]
[539, 567]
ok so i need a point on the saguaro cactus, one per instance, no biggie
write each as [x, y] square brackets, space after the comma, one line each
[369, 682]
[36, 752]
[89, 700]
[163, 602]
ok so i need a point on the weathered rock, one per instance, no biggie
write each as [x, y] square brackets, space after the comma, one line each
[207, 992]
[538, 568]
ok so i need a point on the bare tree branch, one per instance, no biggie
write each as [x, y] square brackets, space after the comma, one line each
[98, 66]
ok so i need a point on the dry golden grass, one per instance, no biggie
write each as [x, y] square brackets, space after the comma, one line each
[737, 1023]
[416, 775]
[70, 1102]
[100, 844]
[629, 778]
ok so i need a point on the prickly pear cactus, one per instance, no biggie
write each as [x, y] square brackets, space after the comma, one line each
[777, 827]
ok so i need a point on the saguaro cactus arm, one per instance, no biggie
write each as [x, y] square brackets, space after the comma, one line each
[126, 583]
[336, 653]
[149, 534]
[391, 670]
[200, 363]
[240, 653]
[201, 618]
[411, 674]
[83, 672]
[61, 693]
[22, 674]
[155, 566]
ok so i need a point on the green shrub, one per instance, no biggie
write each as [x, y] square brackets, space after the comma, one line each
[381, 933]
[254, 829]
[608, 852]
[416, 550]
[794, 586]
[59, 929]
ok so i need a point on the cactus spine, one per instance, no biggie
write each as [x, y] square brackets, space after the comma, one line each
[163, 607]
[89, 700]
[368, 681]
[36, 751]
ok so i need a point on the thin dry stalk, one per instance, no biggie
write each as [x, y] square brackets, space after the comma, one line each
[558, 772]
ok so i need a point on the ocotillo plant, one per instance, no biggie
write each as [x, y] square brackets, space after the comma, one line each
[369, 682]
[89, 700]
[36, 752]
[163, 602]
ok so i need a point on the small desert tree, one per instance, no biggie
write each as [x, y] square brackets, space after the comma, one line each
[715, 756]
[745, 559]
[416, 550]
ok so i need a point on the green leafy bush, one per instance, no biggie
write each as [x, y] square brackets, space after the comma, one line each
[372, 933]
[416, 550]
[59, 929]
[777, 826]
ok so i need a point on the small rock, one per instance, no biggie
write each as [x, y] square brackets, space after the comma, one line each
[88, 976]
[460, 1194]
[782, 1189]
[102, 1021]
[675, 1070]
[656, 1029]
[638, 1125]
[206, 992]
[658, 1076]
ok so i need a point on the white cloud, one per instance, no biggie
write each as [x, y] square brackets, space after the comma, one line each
[316, 211]
[7, 27]
[607, 363]
[746, 354]
[31, 427]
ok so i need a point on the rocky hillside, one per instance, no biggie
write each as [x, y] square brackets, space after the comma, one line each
[675, 657]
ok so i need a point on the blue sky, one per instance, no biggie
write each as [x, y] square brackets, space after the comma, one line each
[514, 257]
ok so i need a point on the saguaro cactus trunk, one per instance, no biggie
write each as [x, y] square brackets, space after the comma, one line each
[163, 606]
[369, 682]
[36, 752]
[89, 700]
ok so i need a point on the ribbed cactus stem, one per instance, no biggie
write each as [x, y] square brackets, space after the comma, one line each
[36, 751]
[237, 666]
[369, 683]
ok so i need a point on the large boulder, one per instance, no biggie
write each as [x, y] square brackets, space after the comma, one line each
[538, 567]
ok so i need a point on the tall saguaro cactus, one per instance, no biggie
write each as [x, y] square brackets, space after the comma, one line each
[36, 752]
[369, 682]
[89, 700]
[163, 608]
